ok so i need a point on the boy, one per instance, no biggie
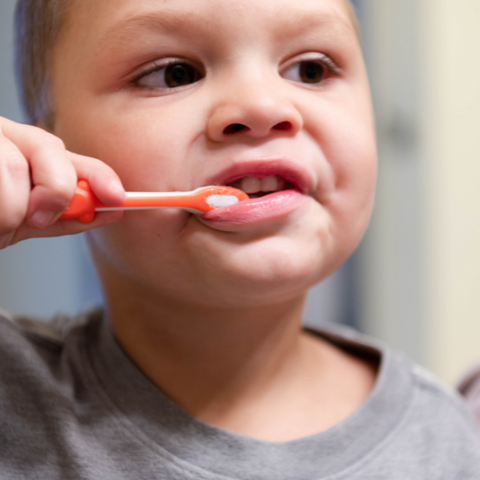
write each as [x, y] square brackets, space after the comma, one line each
[199, 367]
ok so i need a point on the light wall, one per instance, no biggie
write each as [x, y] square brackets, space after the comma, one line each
[391, 266]
[450, 35]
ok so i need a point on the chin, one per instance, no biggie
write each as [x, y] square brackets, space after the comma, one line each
[258, 276]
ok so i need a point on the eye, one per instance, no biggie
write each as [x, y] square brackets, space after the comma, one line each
[169, 75]
[310, 71]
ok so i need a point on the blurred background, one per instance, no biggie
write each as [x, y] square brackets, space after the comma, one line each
[414, 282]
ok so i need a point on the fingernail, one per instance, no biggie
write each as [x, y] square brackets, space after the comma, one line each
[117, 188]
[41, 219]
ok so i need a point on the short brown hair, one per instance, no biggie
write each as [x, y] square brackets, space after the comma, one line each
[38, 24]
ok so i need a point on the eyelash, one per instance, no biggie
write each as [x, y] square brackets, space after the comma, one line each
[331, 67]
[157, 66]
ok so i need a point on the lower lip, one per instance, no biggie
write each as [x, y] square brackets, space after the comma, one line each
[257, 210]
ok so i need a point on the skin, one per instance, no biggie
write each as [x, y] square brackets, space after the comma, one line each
[210, 314]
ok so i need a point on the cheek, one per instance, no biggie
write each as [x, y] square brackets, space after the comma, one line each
[346, 136]
[145, 246]
[144, 148]
[353, 200]
[352, 203]
[344, 129]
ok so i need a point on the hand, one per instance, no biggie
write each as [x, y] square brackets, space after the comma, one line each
[38, 177]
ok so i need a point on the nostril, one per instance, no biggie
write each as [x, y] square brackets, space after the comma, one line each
[283, 126]
[234, 128]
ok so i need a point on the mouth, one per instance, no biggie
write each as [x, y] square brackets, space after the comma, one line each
[258, 178]
[276, 188]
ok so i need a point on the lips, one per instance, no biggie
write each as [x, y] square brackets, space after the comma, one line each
[276, 188]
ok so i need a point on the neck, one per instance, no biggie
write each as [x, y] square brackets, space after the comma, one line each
[204, 356]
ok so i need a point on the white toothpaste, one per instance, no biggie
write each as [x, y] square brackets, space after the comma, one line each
[222, 200]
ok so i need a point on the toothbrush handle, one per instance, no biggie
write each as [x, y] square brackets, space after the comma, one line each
[83, 204]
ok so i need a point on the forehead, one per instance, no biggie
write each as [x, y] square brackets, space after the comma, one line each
[122, 19]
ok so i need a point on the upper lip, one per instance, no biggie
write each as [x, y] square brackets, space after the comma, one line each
[291, 171]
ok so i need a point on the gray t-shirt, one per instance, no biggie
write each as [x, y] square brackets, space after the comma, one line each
[74, 407]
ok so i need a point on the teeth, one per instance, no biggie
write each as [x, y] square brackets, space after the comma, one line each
[269, 184]
[252, 185]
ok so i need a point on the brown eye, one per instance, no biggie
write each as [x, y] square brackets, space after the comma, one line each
[166, 76]
[180, 74]
[311, 72]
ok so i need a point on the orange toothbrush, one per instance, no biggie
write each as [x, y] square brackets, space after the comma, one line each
[84, 203]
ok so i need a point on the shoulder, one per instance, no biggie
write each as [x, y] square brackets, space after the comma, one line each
[430, 397]
[440, 406]
[41, 364]
[31, 347]
[43, 391]
[437, 430]
[51, 333]
[427, 426]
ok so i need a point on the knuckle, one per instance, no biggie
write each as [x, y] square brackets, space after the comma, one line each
[52, 140]
[32, 132]
[14, 163]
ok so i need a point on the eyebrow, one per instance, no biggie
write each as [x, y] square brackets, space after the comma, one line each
[327, 21]
[169, 21]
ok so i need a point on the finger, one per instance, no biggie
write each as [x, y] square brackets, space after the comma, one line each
[104, 182]
[66, 227]
[52, 173]
[14, 186]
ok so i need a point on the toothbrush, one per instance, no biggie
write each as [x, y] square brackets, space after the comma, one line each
[202, 200]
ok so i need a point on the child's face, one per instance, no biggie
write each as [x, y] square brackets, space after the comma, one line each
[177, 94]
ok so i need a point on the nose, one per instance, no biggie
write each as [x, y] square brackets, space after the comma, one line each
[253, 108]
